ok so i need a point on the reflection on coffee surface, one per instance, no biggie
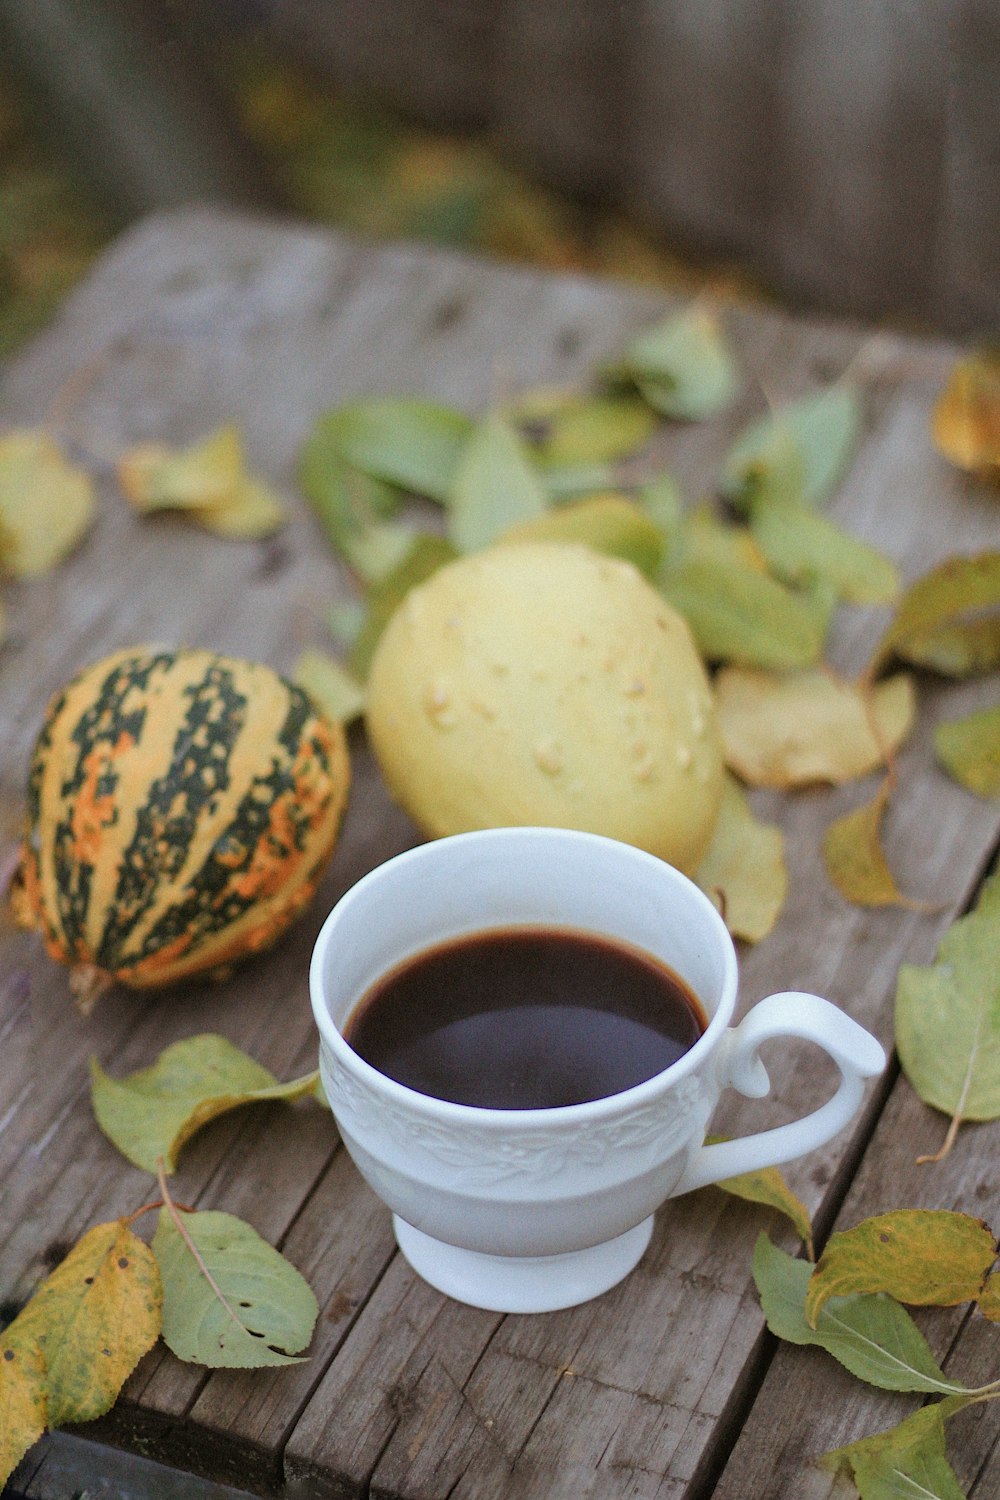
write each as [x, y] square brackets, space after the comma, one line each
[525, 1018]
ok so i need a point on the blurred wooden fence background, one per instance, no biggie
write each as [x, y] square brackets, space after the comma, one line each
[845, 152]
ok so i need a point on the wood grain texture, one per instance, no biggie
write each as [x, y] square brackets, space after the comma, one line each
[202, 317]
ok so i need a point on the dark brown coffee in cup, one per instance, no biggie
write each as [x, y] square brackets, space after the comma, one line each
[525, 1018]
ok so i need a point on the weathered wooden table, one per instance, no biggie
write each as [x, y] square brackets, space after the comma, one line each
[667, 1386]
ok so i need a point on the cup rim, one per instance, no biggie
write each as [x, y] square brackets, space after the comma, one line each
[446, 1110]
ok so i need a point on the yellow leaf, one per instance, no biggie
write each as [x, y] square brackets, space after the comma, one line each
[208, 480]
[989, 1298]
[810, 726]
[46, 504]
[94, 1317]
[855, 863]
[608, 523]
[744, 869]
[966, 419]
[22, 1397]
[969, 749]
[924, 1257]
[943, 619]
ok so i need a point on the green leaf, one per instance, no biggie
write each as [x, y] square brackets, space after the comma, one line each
[738, 615]
[801, 450]
[94, 1317]
[969, 749]
[350, 506]
[329, 685]
[925, 1257]
[989, 1298]
[229, 1299]
[23, 1405]
[426, 553]
[152, 1113]
[413, 444]
[744, 873]
[872, 1336]
[683, 367]
[940, 606]
[564, 481]
[595, 430]
[608, 523]
[948, 1016]
[660, 498]
[495, 486]
[906, 1463]
[800, 545]
[961, 650]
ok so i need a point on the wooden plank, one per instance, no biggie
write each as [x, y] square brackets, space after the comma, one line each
[202, 317]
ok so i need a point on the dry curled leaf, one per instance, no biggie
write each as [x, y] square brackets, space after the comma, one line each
[46, 503]
[207, 480]
[744, 869]
[811, 726]
[966, 419]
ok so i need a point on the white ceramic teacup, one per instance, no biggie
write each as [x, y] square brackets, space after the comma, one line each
[531, 1210]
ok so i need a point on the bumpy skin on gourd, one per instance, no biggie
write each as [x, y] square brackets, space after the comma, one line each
[181, 808]
[541, 683]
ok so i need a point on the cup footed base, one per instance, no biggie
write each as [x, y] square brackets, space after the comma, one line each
[522, 1283]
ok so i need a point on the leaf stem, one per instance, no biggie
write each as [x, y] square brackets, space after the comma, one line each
[963, 1097]
[174, 1211]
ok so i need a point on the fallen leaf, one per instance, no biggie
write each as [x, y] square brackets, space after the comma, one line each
[412, 444]
[354, 509]
[94, 1317]
[660, 498]
[591, 430]
[331, 687]
[969, 749]
[608, 523]
[956, 650]
[495, 486]
[23, 1406]
[870, 1335]
[924, 1257]
[152, 1113]
[854, 858]
[803, 447]
[800, 545]
[989, 1298]
[741, 616]
[948, 602]
[810, 726]
[966, 418]
[426, 553]
[908, 1462]
[683, 367]
[46, 504]
[208, 480]
[948, 1017]
[569, 481]
[744, 870]
[230, 1300]
[769, 1188]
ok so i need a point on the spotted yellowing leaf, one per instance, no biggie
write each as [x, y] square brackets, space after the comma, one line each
[230, 1300]
[854, 858]
[908, 1462]
[948, 1017]
[23, 1404]
[969, 749]
[744, 869]
[812, 726]
[924, 1257]
[207, 480]
[152, 1113]
[966, 419]
[46, 504]
[94, 1318]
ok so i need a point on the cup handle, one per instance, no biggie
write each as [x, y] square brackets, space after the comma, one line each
[855, 1051]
